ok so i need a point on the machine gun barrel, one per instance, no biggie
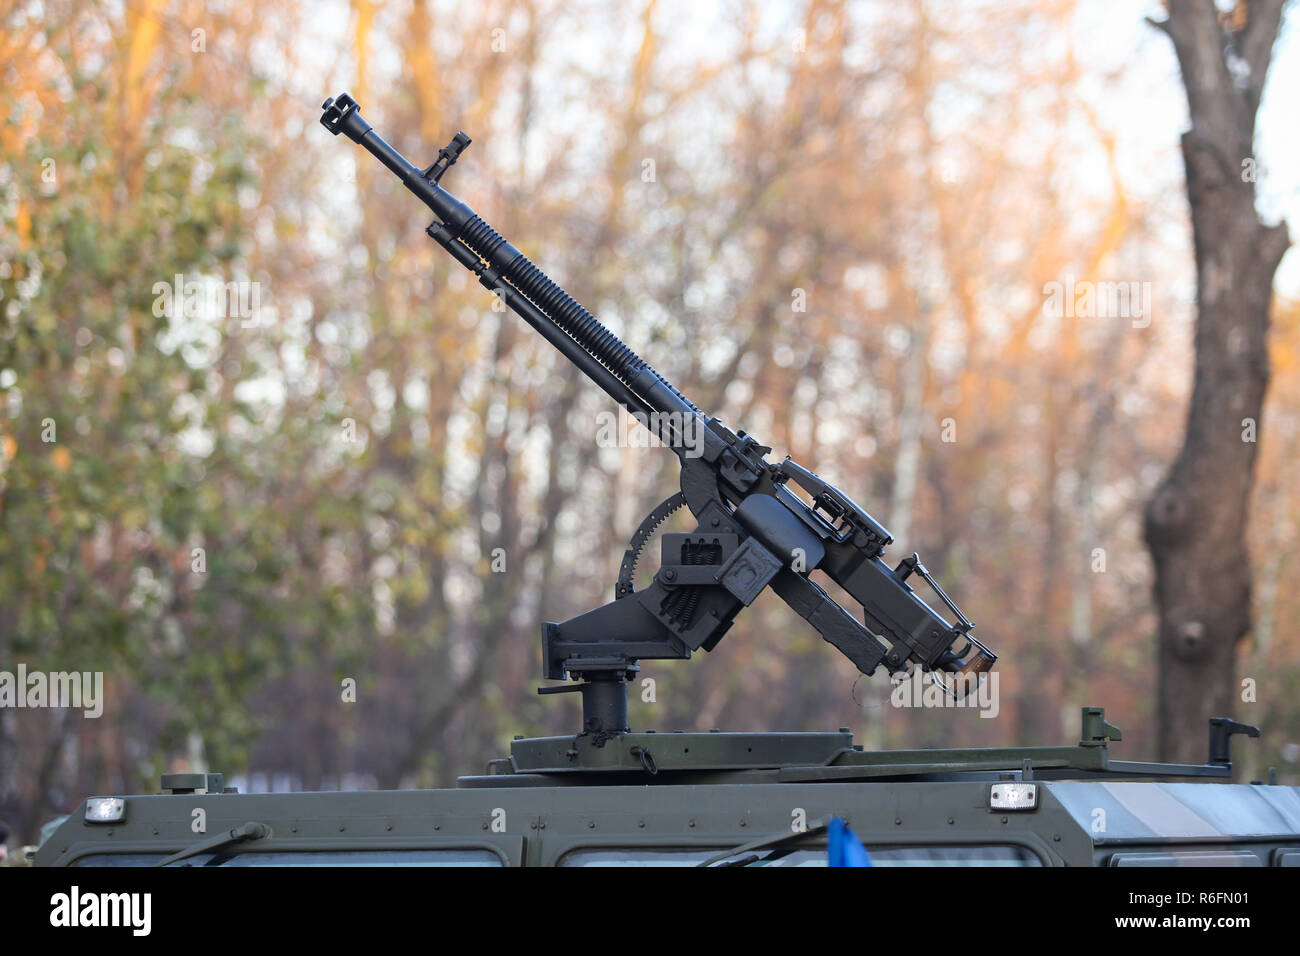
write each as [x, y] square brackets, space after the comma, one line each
[753, 531]
[523, 287]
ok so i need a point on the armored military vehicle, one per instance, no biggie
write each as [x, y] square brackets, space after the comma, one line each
[701, 799]
[606, 795]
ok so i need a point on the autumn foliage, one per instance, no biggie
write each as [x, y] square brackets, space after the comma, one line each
[835, 226]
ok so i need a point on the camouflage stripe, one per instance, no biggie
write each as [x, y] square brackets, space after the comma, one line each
[1137, 810]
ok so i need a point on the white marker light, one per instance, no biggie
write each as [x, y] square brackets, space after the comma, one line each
[1014, 796]
[105, 809]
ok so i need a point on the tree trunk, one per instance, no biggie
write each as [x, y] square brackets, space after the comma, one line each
[1195, 523]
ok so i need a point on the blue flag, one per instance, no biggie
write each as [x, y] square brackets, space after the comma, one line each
[843, 848]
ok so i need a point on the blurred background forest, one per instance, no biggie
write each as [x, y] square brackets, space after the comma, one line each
[238, 514]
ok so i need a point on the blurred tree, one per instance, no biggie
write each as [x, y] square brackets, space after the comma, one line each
[829, 223]
[1197, 521]
[141, 533]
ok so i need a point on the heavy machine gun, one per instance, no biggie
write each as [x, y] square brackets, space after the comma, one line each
[760, 524]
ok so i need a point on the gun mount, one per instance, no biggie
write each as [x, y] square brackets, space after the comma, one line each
[754, 530]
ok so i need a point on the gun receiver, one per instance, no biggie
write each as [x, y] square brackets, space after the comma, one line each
[753, 530]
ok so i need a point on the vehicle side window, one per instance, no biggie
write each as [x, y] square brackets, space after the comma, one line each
[807, 856]
[639, 856]
[430, 857]
[954, 856]
[1189, 857]
[119, 859]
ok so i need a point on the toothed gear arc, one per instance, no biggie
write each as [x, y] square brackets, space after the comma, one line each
[627, 570]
